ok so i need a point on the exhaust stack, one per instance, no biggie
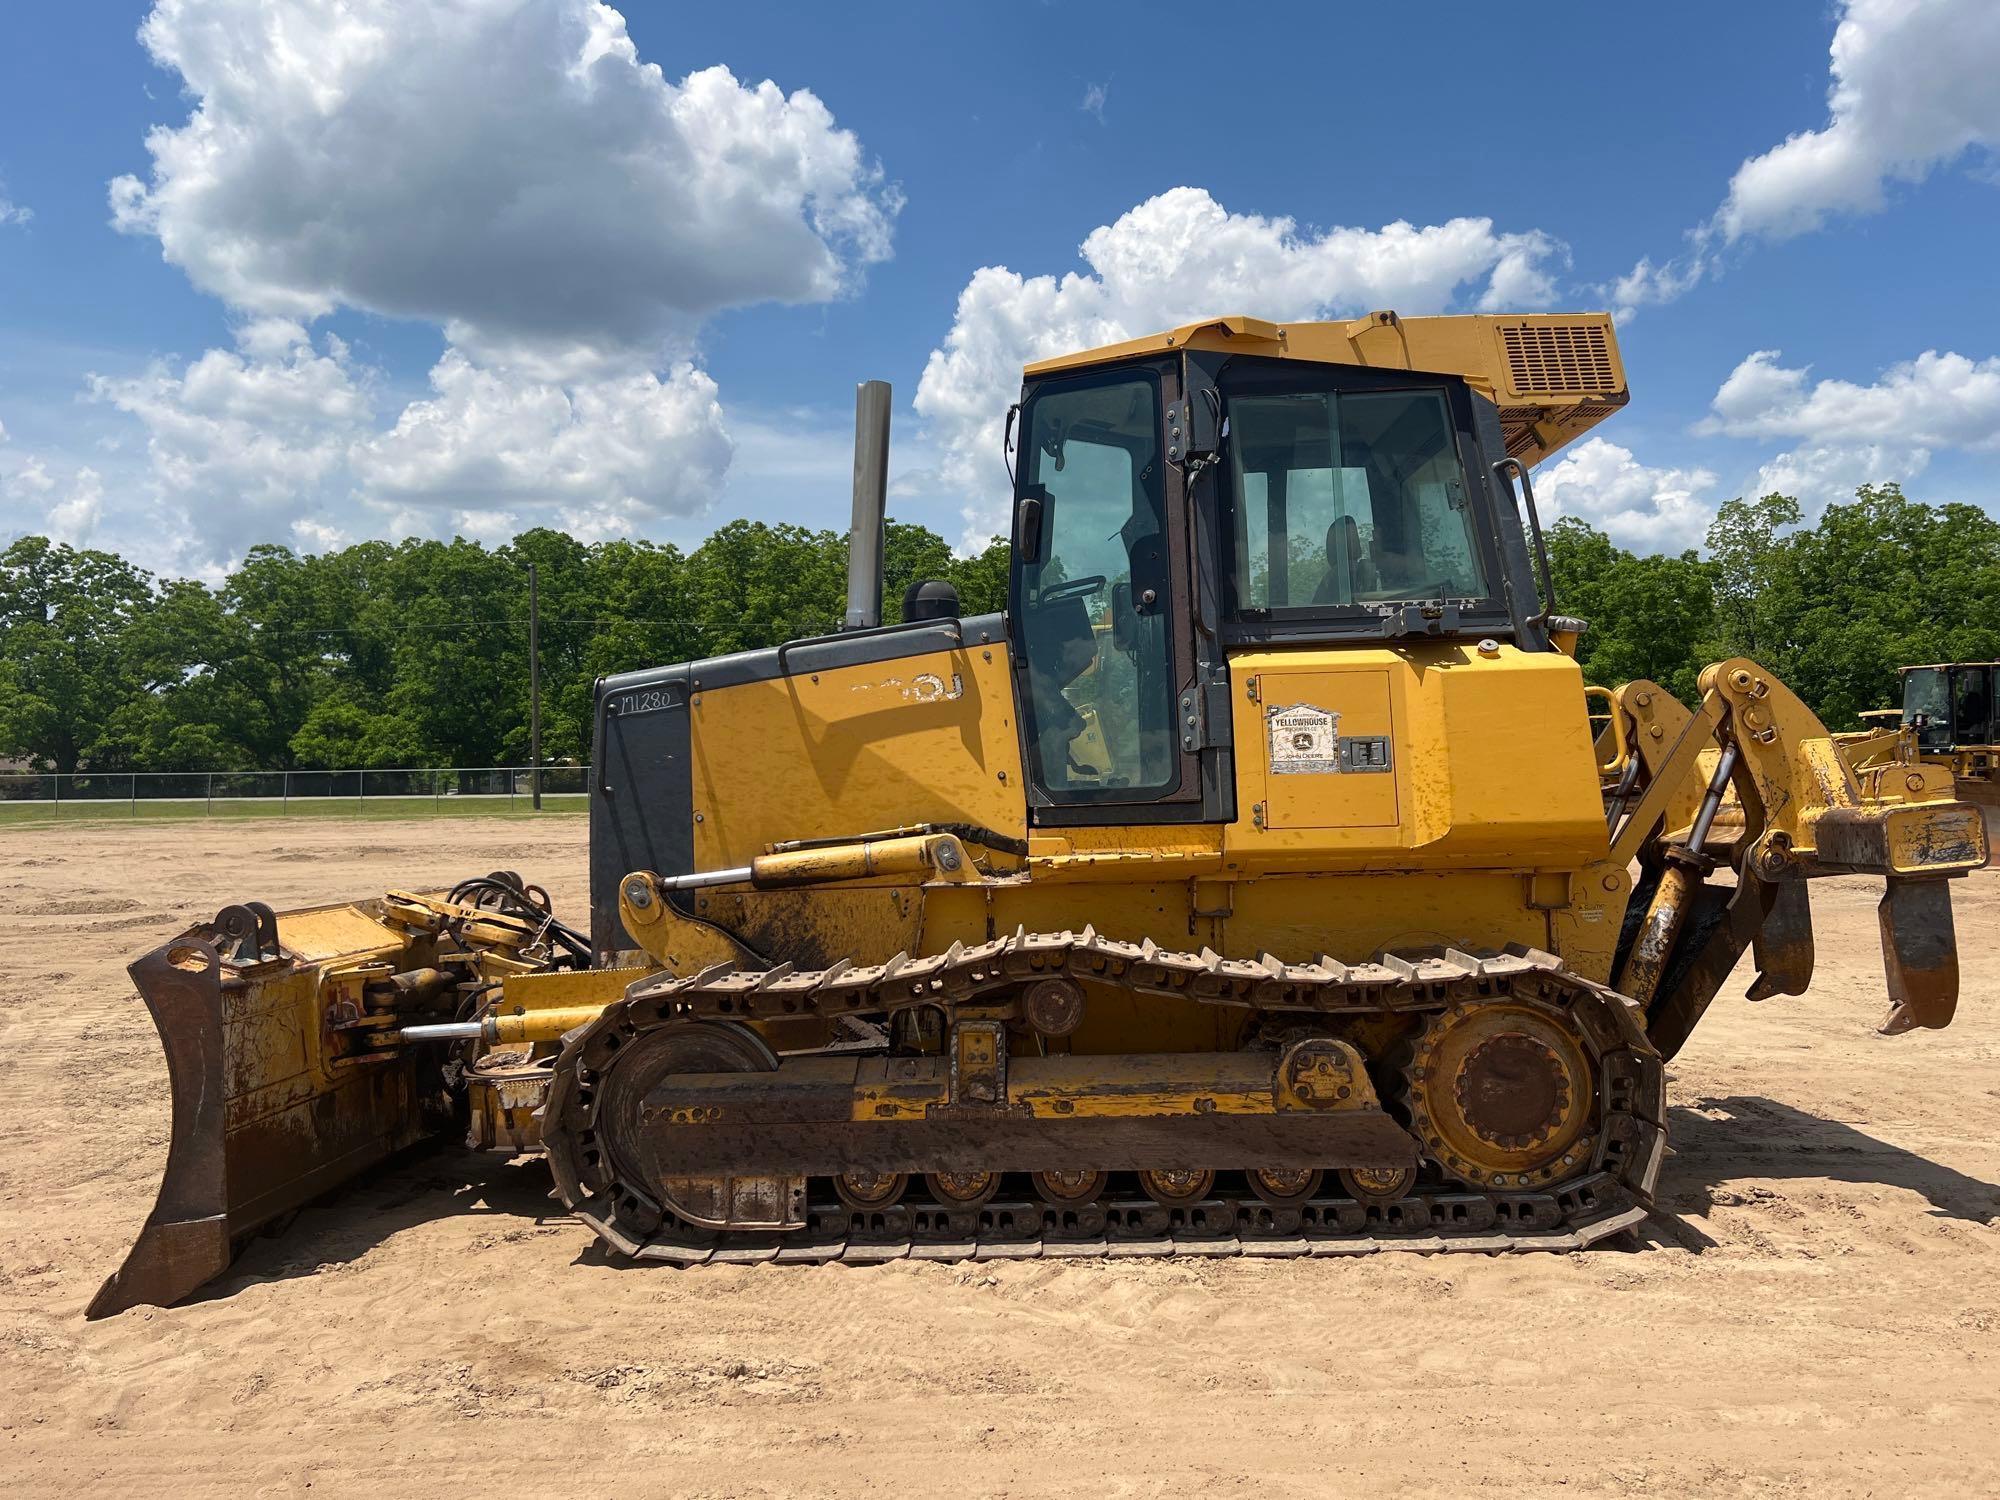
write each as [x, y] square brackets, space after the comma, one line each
[871, 500]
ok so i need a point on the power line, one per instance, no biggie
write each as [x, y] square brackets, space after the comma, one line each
[705, 627]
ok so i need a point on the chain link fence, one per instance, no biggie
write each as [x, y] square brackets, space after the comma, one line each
[432, 791]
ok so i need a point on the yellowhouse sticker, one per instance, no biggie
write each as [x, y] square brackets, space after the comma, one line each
[1305, 740]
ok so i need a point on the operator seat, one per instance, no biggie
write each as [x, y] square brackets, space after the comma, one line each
[1344, 558]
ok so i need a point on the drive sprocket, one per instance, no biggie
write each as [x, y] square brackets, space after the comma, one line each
[1503, 1093]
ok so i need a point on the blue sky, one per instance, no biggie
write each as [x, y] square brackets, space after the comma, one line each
[404, 268]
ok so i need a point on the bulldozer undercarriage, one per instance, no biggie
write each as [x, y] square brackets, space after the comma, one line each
[1525, 1110]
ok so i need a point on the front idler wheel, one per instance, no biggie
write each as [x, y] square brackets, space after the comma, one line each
[1503, 1094]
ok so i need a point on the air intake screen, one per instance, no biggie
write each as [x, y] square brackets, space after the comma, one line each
[1547, 358]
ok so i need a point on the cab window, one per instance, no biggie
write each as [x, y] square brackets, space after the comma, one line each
[1971, 705]
[1093, 598]
[1927, 706]
[1345, 499]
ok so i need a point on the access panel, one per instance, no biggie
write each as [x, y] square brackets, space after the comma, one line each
[1329, 756]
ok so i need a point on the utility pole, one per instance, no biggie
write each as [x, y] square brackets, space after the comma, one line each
[534, 688]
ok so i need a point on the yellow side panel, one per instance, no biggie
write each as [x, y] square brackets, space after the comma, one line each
[849, 750]
[1489, 756]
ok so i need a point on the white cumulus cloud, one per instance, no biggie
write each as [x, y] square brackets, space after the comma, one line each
[610, 454]
[1912, 90]
[74, 518]
[26, 485]
[240, 440]
[1648, 285]
[1941, 400]
[1828, 474]
[512, 171]
[1641, 507]
[1182, 256]
[1849, 434]
[278, 440]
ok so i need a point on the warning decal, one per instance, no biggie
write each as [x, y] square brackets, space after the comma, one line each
[1305, 740]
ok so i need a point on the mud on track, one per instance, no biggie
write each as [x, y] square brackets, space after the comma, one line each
[1816, 1310]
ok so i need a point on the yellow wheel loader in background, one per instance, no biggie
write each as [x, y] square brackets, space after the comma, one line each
[1256, 883]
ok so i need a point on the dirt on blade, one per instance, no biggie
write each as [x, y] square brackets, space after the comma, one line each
[1812, 1312]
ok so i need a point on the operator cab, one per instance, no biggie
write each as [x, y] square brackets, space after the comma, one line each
[1170, 508]
[1950, 706]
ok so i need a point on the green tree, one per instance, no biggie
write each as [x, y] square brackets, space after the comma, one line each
[1879, 583]
[344, 730]
[913, 554]
[1748, 552]
[461, 652]
[1647, 615]
[381, 653]
[982, 578]
[65, 665]
[753, 584]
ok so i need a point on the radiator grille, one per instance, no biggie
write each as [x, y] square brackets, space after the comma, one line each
[1547, 358]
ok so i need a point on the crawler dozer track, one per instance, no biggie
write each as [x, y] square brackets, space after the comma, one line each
[650, 1091]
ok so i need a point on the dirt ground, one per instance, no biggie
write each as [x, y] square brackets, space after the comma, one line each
[1810, 1313]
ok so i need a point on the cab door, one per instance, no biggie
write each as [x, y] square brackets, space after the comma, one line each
[1972, 705]
[1100, 612]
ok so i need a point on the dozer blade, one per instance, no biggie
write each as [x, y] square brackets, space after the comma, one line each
[277, 1092]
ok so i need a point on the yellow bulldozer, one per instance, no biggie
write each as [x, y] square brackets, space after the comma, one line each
[1264, 880]
[1946, 721]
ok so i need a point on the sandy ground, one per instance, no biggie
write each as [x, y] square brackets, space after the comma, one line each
[1811, 1313]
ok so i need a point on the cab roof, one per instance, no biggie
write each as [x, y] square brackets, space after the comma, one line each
[1554, 376]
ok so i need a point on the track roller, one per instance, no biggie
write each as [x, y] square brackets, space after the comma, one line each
[1067, 1189]
[1175, 1187]
[1285, 1189]
[1377, 1184]
[863, 1191]
[962, 1189]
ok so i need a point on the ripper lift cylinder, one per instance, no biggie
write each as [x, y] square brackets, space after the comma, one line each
[1683, 876]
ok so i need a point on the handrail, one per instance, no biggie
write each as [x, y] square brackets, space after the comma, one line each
[1621, 747]
[1548, 593]
[955, 622]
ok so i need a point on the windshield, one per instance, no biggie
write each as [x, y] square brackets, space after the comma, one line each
[1344, 499]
